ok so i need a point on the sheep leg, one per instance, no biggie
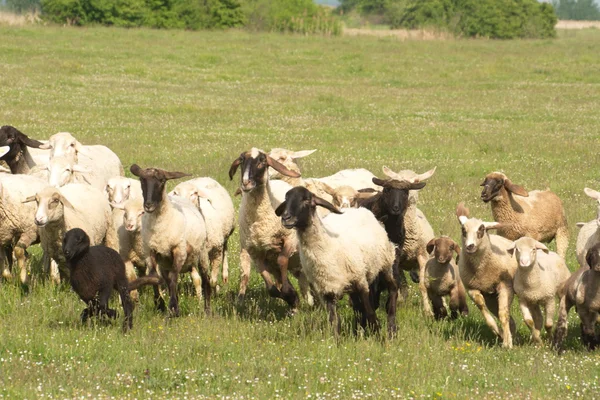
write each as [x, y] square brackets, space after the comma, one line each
[305, 289]
[439, 310]
[225, 262]
[538, 321]
[245, 265]
[423, 289]
[359, 312]
[588, 327]
[206, 289]
[288, 292]
[561, 325]
[197, 281]
[562, 240]
[461, 295]
[392, 301]
[365, 297]
[151, 270]
[131, 276]
[54, 272]
[215, 262]
[5, 266]
[527, 316]
[172, 277]
[505, 297]
[550, 307]
[21, 256]
[479, 301]
[122, 287]
[334, 320]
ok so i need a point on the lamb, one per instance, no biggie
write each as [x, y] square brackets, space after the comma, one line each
[537, 214]
[174, 234]
[63, 170]
[17, 220]
[582, 291]
[442, 278]
[347, 197]
[341, 254]
[414, 254]
[19, 159]
[60, 210]
[540, 277]
[118, 190]
[216, 206]
[263, 240]
[589, 234]
[94, 272]
[389, 207]
[487, 271]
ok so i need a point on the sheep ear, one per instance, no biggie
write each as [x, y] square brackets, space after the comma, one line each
[29, 199]
[462, 213]
[424, 176]
[328, 189]
[389, 172]
[492, 225]
[541, 246]
[81, 168]
[4, 150]
[23, 138]
[280, 208]
[45, 146]
[580, 224]
[516, 189]
[430, 246]
[378, 182]
[136, 170]
[317, 201]
[81, 149]
[175, 175]
[302, 153]
[367, 190]
[66, 202]
[238, 192]
[511, 249]
[592, 193]
[234, 166]
[279, 167]
[456, 249]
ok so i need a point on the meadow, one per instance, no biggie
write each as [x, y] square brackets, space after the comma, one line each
[193, 101]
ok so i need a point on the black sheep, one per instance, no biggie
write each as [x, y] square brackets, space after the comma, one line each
[95, 272]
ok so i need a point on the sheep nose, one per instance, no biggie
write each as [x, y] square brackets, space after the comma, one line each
[471, 247]
[67, 253]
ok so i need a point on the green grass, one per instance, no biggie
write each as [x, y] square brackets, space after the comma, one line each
[193, 101]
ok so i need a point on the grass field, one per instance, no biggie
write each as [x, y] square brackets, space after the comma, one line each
[193, 101]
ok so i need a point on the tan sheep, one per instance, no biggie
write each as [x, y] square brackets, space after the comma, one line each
[442, 278]
[540, 277]
[487, 271]
[589, 234]
[537, 214]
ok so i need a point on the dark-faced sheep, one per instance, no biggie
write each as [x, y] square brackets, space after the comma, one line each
[537, 214]
[94, 273]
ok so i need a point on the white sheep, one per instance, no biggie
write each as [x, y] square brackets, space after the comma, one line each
[537, 214]
[17, 224]
[341, 253]
[589, 234]
[59, 210]
[487, 271]
[216, 206]
[263, 240]
[541, 277]
[174, 235]
[63, 170]
[118, 190]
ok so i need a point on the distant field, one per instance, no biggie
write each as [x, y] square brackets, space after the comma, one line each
[192, 101]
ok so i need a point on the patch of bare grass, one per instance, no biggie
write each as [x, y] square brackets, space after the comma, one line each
[12, 19]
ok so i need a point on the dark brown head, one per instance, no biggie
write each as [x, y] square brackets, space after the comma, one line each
[75, 244]
[255, 165]
[444, 248]
[494, 183]
[153, 181]
[299, 207]
[592, 257]
[16, 140]
[395, 194]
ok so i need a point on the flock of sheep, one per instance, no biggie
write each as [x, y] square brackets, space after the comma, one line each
[349, 233]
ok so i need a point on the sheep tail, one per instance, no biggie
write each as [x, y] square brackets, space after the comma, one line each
[145, 280]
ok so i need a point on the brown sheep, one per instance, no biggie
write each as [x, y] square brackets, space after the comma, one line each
[537, 214]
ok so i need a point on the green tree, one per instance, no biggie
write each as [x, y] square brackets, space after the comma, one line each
[577, 10]
[23, 6]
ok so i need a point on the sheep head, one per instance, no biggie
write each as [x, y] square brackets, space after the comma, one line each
[255, 164]
[64, 144]
[118, 189]
[441, 248]
[153, 181]
[594, 195]
[525, 250]
[75, 244]
[132, 215]
[16, 140]
[299, 207]
[395, 194]
[63, 170]
[288, 159]
[50, 206]
[473, 230]
[592, 257]
[494, 183]
[189, 192]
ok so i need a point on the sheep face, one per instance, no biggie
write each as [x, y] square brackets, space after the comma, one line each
[61, 171]
[118, 189]
[255, 164]
[493, 185]
[442, 249]
[594, 195]
[190, 192]
[593, 257]
[12, 137]
[525, 250]
[473, 230]
[288, 159]
[75, 244]
[395, 194]
[132, 215]
[299, 206]
[65, 145]
[50, 206]
[153, 181]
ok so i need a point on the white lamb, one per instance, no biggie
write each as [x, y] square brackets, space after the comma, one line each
[341, 253]
[541, 277]
[216, 206]
[589, 234]
[59, 210]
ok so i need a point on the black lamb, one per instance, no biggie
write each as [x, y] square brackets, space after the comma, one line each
[95, 272]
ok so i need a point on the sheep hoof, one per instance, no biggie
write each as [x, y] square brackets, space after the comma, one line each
[240, 299]
[6, 274]
[160, 305]
[414, 276]
[274, 292]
